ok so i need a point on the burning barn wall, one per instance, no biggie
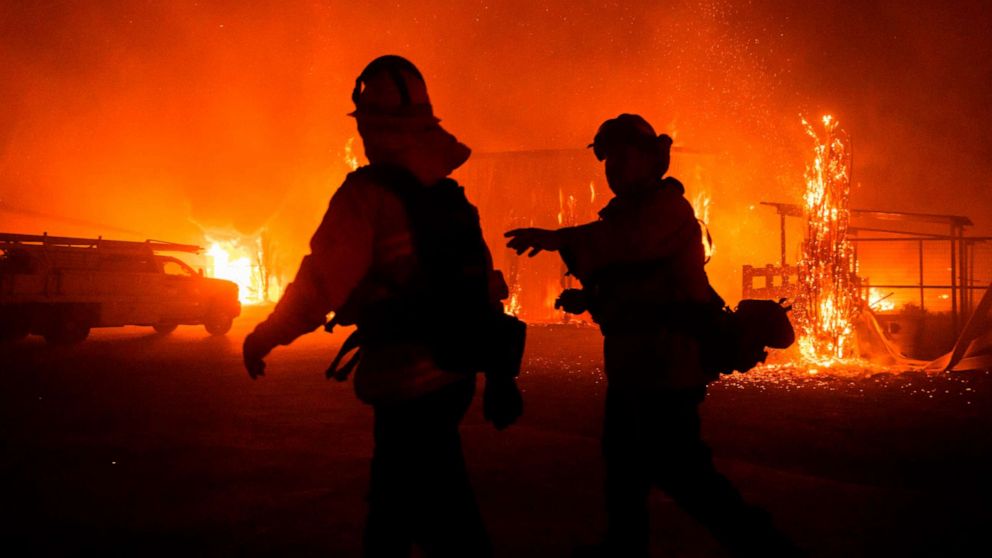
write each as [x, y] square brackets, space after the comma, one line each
[547, 189]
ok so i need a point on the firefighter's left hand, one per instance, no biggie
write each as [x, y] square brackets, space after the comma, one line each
[255, 348]
[535, 240]
[502, 403]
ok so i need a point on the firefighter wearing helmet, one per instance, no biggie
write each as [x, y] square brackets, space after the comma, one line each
[641, 266]
[400, 254]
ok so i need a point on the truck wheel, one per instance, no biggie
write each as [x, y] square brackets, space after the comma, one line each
[218, 325]
[67, 332]
[165, 328]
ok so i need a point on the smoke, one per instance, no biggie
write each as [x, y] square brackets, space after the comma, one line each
[907, 81]
[173, 117]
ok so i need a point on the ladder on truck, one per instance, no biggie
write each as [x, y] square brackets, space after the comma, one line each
[9, 240]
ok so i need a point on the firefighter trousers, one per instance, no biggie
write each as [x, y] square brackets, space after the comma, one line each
[420, 491]
[652, 437]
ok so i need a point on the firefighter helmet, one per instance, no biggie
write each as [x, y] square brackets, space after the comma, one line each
[392, 87]
[628, 129]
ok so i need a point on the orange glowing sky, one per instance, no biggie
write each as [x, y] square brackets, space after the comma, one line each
[162, 118]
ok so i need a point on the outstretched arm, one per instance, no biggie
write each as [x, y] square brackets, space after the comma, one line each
[533, 239]
[653, 234]
[341, 251]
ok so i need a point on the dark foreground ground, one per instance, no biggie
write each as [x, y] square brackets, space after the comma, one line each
[138, 444]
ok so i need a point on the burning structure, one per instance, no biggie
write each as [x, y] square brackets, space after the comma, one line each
[249, 262]
[239, 126]
[828, 288]
[562, 188]
[836, 300]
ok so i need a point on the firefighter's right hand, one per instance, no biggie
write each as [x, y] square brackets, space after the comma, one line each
[573, 301]
[533, 239]
[254, 351]
[502, 403]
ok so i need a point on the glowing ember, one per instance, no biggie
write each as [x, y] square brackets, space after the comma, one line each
[247, 263]
[828, 300]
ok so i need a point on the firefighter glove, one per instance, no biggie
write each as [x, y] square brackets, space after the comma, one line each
[502, 403]
[255, 348]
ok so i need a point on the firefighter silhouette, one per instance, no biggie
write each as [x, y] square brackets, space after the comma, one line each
[641, 266]
[400, 254]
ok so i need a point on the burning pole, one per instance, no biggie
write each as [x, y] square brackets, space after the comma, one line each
[701, 206]
[828, 299]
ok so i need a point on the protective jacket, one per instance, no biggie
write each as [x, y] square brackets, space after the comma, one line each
[642, 265]
[366, 234]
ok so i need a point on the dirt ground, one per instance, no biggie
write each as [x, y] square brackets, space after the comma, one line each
[137, 444]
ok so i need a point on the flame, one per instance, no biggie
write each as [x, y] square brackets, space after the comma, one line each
[878, 301]
[551, 292]
[513, 303]
[701, 205]
[829, 298]
[350, 158]
[566, 209]
[245, 262]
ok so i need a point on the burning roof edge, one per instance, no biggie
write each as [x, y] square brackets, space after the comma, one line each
[569, 151]
[794, 210]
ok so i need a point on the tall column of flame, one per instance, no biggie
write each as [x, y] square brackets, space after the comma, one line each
[828, 300]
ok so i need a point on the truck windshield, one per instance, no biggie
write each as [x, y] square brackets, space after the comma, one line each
[173, 266]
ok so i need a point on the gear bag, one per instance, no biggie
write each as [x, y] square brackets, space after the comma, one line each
[731, 340]
[735, 340]
[446, 304]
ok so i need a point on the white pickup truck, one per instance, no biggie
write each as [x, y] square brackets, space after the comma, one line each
[61, 287]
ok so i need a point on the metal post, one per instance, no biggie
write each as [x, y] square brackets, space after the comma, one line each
[954, 282]
[963, 272]
[781, 218]
[922, 303]
[971, 273]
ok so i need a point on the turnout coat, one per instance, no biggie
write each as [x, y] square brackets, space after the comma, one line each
[364, 231]
[642, 264]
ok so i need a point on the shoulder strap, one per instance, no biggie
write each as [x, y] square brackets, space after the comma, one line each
[450, 294]
[351, 345]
